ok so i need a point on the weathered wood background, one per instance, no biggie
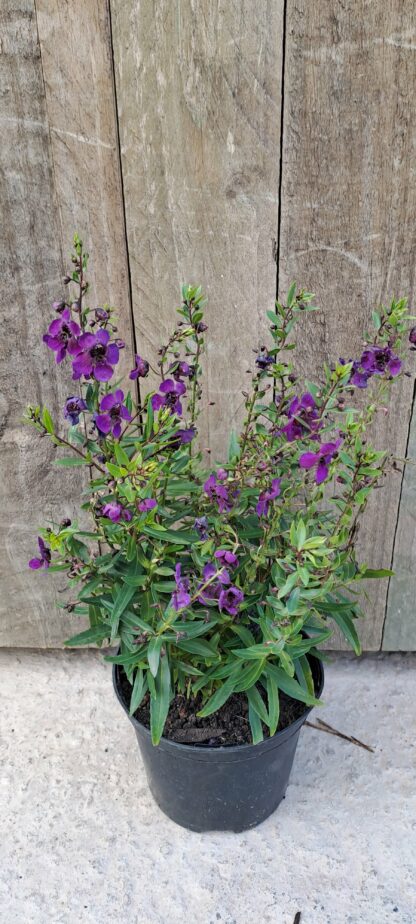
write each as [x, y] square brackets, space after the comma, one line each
[226, 143]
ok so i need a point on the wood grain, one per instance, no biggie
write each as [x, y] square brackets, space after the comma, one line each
[348, 203]
[400, 624]
[198, 89]
[60, 173]
[31, 492]
[75, 43]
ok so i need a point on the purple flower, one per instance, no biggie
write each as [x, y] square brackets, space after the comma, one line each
[116, 412]
[115, 512]
[181, 597]
[201, 527]
[303, 418]
[181, 369]
[225, 557]
[141, 369]
[181, 437]
[377, 360]
[62, 336]
[45, 556]
[218, 492]
[171, 391]
[147, 504]
[59, 306]
[321, 459]
[263, 360]
[96, 356]
[73, 408]
[230, 599]
[266, 497]
[213, 589]
[101, 315]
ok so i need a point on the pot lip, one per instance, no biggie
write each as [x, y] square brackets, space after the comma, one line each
[225, 752]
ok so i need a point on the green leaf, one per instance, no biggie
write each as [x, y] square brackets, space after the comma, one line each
[153, 653]
[167, 535]
[149, 419]
[197, 647]
[304, 674]
[47, 420]
[255, 725]
[274, 705]
[256, 703]
[219, 697]
[159, 700]
[138, 691]
[248, 676]
[290, 686]
[233, 447]
[89, 636]
[70, 461]
[121, 455]
[374, 573]
[291, 295]
[345, 623]
[121, 602]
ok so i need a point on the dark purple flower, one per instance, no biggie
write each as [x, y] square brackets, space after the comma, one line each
[264, 360]
[141, 369]
[171, 392]
[181, 597]
[214, 579]
[101, 314]
[201, 327]
[225, 557]
[73, 408]
[115, 413]
[59, 306]
[303, 418]
[376, 360]
[181, 437]
[62, 336]
[147, 504]
[116, 512]
[266, 497]
[412, 336]
[230, 599]
[321, 459]
[96, 356]
[45, 557]
[181, 369]
[218, 492]
[201, 527]
[358, 377]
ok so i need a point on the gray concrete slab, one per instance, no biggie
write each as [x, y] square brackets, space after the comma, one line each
[83, 842]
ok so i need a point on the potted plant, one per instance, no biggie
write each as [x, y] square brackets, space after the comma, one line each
[217, 584]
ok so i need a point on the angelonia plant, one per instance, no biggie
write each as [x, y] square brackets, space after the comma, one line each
[224, 579]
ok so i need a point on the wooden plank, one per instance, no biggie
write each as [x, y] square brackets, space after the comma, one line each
[348, 203]
[198, 90]
[61, 172]
[400, 624]
[76, 51]
[30, 276]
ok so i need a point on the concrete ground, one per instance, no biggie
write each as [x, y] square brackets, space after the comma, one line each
[83, 842]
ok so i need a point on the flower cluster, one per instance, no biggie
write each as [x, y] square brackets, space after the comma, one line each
[215, 578]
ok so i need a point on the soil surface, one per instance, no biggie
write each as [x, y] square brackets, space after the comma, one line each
[228, 726]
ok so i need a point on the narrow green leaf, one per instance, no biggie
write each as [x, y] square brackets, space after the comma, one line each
[248, 676]
[138, 691]
[89, 636]
[219, 697]
[290, 686]
[121, 602]
[47, 420]
[345, 623]
[256, 703]
[274, 705]
[159, 700]
[70, 461]
[153, 654]
[255, 725]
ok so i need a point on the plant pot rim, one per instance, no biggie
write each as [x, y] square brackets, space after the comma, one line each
[232, 752]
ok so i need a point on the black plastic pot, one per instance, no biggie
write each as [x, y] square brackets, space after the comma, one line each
[219, 789]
